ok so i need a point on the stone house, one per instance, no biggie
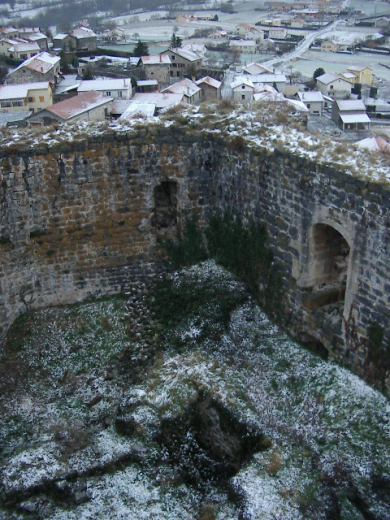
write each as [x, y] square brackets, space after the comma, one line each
[147, 85]
[242, 88]
[191, 91]
[40, 39]
[350, 114]
[61, 41]
[246, 46]
[115, 88]
[329, 46]
[26, 97]
[314, 101]
[42, 67]
[88, 106]
[83, 39]
[363, 74]
[157, 66]
[333, 86]
[183, 61]
[211, 88]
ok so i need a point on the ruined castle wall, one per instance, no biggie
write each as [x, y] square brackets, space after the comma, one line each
[79, 221]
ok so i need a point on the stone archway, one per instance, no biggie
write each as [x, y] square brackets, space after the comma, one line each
[328, 261]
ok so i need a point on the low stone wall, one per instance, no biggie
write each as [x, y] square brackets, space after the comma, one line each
[82, 220]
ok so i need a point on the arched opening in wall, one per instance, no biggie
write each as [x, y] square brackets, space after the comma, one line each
[328, 266]
[165, 218]
[315, 345]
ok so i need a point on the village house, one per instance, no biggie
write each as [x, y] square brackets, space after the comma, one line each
[6, 43]
[277, 80]
[42, 67]
[333, 86]
[218, 35]
[83, 39]
[157, 66]
[314, 101]
[244, 28]
[26, 97]
[298, 23]
[247, 46]
[330, 46]
[61, 41]
[88, 106]
[23, 51]
[183, 61]
[190, 90]
[211, 88]
[278, 34]
[116, 88]
[242, 88]
[363, 74]
[348, 76]
[9, 32]
[350, 114]
[40, 39]
[137, 109]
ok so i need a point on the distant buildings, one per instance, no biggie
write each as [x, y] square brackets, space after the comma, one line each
[211, 88]
[184, 61]
[333, 86]
[157, 67]
[191, 91]
[115, 88]
[246, 46]
[314, 101]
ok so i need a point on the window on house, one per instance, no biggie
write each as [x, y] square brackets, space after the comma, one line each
[173, 58]
[243, 96]
[31, 99]
[5, 104]
[41, 98]
[331, 87]
[108, 93]
[243, 87]
[120, 94]
[178, 73]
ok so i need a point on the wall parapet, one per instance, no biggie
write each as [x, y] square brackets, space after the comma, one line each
[79, 220]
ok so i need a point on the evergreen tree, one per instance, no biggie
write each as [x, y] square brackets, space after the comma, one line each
[141, 49]
[176, 41]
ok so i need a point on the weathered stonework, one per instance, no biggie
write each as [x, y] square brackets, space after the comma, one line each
[80, 221]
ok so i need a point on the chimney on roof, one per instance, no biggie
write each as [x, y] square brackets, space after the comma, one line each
[158, 87]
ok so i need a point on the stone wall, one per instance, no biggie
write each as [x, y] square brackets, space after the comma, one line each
[82, 221]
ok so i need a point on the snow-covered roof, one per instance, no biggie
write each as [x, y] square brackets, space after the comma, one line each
[28, 30]
[40, 63]
[156, 59]
[195, 47]
[37, 36]
[11, 117]
[256, 68]
[355, 118]
[146, 82]
[77, 105]
[21, 91]
[185, 53]
[242, 43]
[267, 78]
[374, 143]
[358, 68]
[185, 86]
[134, 60]
[329, 78]
[241, 81]
[24, 47]
[138, 108]
[311, 97]
[104, 85]
[209, 81]
[345, 105]
[83, 32]
[60, 36]
[162, 99]
[350, 75]
[120, 105]
[8, 30]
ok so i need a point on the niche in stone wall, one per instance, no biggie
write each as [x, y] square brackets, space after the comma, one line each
[328, 266]
[165, 218]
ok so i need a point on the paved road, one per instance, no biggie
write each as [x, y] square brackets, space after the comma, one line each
[302, 47]
[226, 89]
